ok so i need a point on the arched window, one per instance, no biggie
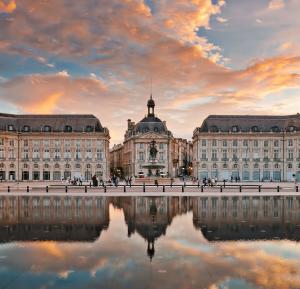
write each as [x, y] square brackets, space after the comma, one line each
[215, 166]
[256, 166]
[290, 165]
[266, 166]
[88, 166]
[47, 128]
[67, 166]
[255, 128]
[56, 166]
[99, 166]
[11, 166]
[46, 166]
[276, 166]
[68, 128]
[25, 166]
[156, 129]
[77, 166]
[2, 165]
[10, 127]
[235, 166]
[36, 166]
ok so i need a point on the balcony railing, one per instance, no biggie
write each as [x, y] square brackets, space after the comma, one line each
[204, 159]
[225, 159]
[214, 159]
[256, 159]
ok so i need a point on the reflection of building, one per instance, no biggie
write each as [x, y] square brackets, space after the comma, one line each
[249, 217]
[137, 144]
[150, 216]
[30, 218]
[247, 147]
[52, 147]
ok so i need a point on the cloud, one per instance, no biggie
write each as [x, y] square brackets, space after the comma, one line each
[221, 19]
[7, 6]
[276, 4]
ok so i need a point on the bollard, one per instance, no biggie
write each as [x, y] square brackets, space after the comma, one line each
[27, 189]
[259, 188]
[171, 183]
[85, 189]
[144, 188]
[124, 189]
[221, 189]
[66, 189]
[47, 189]
[8, 188]
[182, 189]
[104, 189]
[224, 183]
[240, 189]
[201, 189]
[297, 189]
[199, 185]
[277, 189]
[164, 188]
[90, 184]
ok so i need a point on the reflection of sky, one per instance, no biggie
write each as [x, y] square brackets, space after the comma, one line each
[183, 259]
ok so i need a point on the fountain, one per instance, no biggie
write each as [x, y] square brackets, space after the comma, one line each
[153, 166]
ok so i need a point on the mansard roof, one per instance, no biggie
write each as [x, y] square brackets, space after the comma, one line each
[53, 122]
[250, 123]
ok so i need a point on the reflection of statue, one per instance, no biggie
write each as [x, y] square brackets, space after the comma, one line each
[153, 150]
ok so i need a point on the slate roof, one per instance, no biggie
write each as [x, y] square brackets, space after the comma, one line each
[56, 122]
[247, 123]
[151, 123]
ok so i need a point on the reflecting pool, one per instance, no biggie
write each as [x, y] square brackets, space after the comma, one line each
[150, 242]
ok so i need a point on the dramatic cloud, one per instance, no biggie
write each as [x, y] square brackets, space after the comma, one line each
[74, 55]
[276, 4]
[7, 6]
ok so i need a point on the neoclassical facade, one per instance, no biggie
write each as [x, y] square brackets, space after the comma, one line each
[250, 148]
[52, 147]
[137, 140]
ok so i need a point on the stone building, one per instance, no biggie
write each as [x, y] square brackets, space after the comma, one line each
[249, 148]
[182, 155]
[52, 147]
[137, 140]
[116, 157]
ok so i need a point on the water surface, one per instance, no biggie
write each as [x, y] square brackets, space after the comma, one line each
[149, 242]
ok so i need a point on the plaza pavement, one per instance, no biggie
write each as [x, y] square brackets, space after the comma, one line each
[178, 188]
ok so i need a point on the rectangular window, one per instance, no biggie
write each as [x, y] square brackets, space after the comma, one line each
[1, 153]
[141, 156]
[99, 154]
[224, 143]
[1, 141]
[290, 142]
[203, 154]
[11, 142]
[276, 143]
[161, 146]
[25, 154]
[255, 143]
[161, 156]
[235, 143]
[290, 154]
[214, 143]
[141, 146]
[276, 154]
[204, 142]
[266, 143]
[88, 153]
[25, 142]
[214, 154]
[245, 143]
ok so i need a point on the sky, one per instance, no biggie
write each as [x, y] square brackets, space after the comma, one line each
[101, 56]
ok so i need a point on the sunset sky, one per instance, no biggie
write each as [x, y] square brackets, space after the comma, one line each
[98, 56]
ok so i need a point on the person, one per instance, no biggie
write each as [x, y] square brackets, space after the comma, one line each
[231, 178]
[212, 182]
[94, 179]
[130, 180]
[80, 181]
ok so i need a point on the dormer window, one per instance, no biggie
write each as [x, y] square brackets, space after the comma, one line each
[275, 129]
[214, 128]
[26, 128]
[68, 128]
[255, 128]
[291, 128]
[10, 127]
[47, 128]
[89, 128]
[235, 128]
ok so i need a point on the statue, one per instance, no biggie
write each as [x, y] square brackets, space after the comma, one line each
[153, 150]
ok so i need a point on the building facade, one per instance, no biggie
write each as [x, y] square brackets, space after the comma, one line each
[248, 148]
[137, 141]
[52, 147]
[116, 156]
